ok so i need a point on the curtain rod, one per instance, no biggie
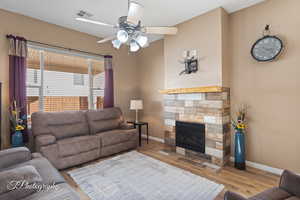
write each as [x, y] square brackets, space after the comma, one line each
[69, 49]
[60, 47]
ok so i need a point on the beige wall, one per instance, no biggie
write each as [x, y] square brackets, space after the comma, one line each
[226, 49]
[271, 89]
[204, 34]
[125, 73]
[151, 80]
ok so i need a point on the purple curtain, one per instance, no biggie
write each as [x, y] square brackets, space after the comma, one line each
[109, 83]
[17, 75]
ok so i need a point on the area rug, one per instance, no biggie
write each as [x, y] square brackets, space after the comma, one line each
[135, 176]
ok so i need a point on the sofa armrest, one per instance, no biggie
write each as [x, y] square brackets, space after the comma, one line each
[14, 156]
[44, 140]
[290, 182]
[233, 196]
[126, 126]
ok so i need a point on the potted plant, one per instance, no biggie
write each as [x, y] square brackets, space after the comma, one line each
[18, 124]
[239, 124]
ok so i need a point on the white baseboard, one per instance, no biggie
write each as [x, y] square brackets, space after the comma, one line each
[154, 138]
[262, 167]
[248, 163]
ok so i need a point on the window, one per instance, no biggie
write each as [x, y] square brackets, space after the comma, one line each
[78, 79]
[35, 76]
[58, 81]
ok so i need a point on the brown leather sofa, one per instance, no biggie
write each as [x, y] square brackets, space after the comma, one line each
[289, 189]
[70, 138]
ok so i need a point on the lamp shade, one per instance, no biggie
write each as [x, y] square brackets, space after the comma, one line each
[136, 104]
[142, 40]
[117, 44]
[122, 36]
[134, 46]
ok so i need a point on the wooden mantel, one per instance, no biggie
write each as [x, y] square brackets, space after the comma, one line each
[193, 90]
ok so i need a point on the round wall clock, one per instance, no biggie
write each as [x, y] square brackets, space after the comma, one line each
[267, 48]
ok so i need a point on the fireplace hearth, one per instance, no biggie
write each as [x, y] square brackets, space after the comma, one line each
[190, 136]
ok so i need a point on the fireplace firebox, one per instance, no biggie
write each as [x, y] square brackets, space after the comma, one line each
[190, 136]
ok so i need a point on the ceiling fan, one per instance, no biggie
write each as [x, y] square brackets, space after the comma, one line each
[130, 30]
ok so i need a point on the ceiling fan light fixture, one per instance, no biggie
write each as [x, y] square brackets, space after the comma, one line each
[134, 46]
[122, 36]
[129, 29]
[116, 44]
[142, 40]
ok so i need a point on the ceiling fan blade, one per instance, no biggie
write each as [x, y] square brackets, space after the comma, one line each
[160, 30]
[106, 39]
[135, 13]
[93, 22]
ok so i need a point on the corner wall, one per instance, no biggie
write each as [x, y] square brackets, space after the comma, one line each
[151, 79]
[225, 50]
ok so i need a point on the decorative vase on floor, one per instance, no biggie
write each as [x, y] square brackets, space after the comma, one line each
[17, 139]
[239, 155]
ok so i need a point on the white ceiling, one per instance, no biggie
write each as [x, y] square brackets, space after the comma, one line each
[157, 12]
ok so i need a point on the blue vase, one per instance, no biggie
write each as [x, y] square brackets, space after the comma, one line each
[239, 153]
[17, 139]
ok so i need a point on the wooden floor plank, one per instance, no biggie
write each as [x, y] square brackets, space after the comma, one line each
[247, 183]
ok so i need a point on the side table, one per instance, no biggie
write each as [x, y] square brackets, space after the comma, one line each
[139, 125]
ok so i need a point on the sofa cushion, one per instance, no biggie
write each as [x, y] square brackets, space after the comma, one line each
[12, 156]
[103, 120]
[76, 145]
[43, 140]
[13, 182]
[77, 159]
[117, 148]
[272, 194]
[233, 196]
[60, 124]
[48, 173]
[293, 198]
[290, 182]
[116, 136]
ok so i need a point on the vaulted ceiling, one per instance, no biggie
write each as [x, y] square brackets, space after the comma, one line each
[157, 12]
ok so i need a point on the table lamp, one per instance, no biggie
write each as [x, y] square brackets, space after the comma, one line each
[136, 105]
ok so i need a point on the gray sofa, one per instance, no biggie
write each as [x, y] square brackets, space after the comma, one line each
[18, 164]
[75, 137]
[289, 189]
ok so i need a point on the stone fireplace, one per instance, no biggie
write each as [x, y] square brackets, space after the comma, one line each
[197, 122]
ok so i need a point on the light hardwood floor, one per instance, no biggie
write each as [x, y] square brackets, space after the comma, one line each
[247, 183]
